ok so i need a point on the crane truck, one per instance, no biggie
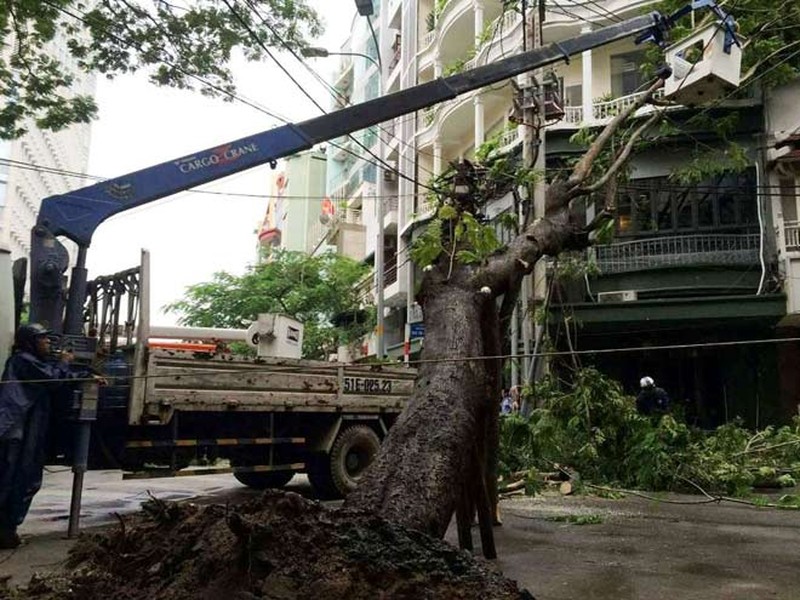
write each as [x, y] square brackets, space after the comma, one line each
[269, 417]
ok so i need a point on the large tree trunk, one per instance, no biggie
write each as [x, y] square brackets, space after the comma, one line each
[419, 473]
[437, 458]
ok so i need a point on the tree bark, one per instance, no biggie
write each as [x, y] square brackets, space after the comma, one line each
[437, 456]
[419, 473]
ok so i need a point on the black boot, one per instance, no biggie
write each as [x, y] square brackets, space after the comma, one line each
[8, 539]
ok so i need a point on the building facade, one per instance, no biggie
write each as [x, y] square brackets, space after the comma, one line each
[41, 163]
[695, 288]
[296, 199]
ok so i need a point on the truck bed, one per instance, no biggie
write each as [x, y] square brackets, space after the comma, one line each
[180, 381]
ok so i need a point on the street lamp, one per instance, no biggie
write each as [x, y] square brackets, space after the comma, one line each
[364, 7]
[315, 52]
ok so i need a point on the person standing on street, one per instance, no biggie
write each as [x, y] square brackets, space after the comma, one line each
[652, 400]
[30, 383]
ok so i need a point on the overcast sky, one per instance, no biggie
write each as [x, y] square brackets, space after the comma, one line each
[190, 236]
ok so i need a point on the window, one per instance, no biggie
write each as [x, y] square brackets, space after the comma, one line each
[3, 187]
[656, 206]
[370, 172]
[643, 210]
[683, 206]
[371, 89]
[624, 214]
[626, 78]
[573, 95]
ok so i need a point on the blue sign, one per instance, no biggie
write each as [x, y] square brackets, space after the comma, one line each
[417, 330]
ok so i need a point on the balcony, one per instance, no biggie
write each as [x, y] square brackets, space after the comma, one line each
[679, 251]
[791, 235]
[390, 212]
[426, 41]
[602, 111]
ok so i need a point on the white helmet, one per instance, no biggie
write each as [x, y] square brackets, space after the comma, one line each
[646, 382]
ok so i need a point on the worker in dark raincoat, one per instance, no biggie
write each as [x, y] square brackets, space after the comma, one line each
[30, 383]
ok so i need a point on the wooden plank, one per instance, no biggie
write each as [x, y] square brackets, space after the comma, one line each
[214, 400]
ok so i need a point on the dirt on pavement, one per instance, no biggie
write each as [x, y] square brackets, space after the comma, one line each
[628, 548]
[279, 547]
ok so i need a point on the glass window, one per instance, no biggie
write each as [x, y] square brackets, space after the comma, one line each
[626, 78]
[371, 90]
[573, 95]
[662, 205]
[644, 211]
[705, 208]
[370, 173]
[3, 187]
[683, 209]
[727, 207]
[624, 214]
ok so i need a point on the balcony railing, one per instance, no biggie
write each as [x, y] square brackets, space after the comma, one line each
[425, 205]
[509, 138]
[390, 272]
[427, 39]
[791, 235]
[678, 251]
[611, 108]
[573, 115]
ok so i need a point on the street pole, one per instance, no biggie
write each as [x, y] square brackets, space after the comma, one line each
[533, 156]
[379, 341]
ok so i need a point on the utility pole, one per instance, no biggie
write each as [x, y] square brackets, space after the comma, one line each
[365, 9]
[533, 156]
[539, 284]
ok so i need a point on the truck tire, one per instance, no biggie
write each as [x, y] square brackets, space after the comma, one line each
[265, 479]
[336, 474]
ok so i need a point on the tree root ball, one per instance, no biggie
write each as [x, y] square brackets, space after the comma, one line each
[279, 547]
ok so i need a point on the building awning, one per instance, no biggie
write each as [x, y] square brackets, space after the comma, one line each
[675, 313]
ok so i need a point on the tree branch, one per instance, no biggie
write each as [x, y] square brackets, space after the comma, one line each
[584, 166]
[623, 155]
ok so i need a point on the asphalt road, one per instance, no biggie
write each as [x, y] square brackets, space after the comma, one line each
[630, 548]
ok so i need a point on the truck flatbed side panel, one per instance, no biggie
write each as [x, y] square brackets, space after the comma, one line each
[255, 401]
[190, 379]
[177, 358]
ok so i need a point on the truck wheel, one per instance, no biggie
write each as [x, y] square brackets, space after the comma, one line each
[265, 479]
[336, 474]
[353, 451]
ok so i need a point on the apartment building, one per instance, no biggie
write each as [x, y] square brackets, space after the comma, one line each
[41, 163]
[695, 275]
[295, 207]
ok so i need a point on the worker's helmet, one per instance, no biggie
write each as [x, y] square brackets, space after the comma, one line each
[646, 382]
[26, 336]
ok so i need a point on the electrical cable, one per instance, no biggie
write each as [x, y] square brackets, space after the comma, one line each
[305, 92]
[457, 359]
[82, 18]
[338, 96]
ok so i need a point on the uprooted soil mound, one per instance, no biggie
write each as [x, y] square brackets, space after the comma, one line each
[279, 547]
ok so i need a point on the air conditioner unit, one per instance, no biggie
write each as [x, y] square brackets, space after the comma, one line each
[390, 171]
[620, 296]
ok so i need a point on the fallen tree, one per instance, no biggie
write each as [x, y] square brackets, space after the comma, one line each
[439, 458]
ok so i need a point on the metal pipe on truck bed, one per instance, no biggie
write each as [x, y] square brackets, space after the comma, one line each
[198, 333]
